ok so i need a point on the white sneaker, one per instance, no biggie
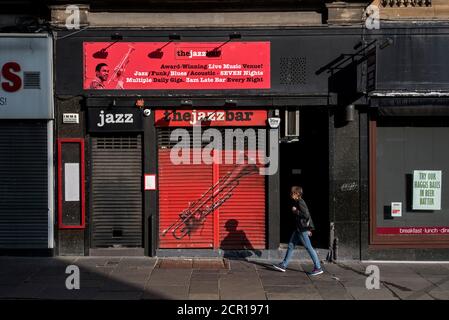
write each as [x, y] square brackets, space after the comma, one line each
[315, 272]
[279, 267]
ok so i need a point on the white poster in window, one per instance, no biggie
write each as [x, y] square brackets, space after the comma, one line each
[396, 209]
[72, 182]
[427, 189]
[150, 182]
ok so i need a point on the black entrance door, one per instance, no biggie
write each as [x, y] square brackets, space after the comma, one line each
[306, 163]
[116, 191]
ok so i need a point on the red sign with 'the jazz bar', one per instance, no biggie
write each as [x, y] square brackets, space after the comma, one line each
[176, 65]
[212, 118]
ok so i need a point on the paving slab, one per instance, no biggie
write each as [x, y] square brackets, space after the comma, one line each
[365, 294]
[8, 280]
[210, 264]
[439, 294]
[100, 271]
[204, 296]
[139, 262]
[424, 296]
[410, 283]
[166, 293]
[401, 293]
[119, 295]
[51, 270]
[123, 286]
[174, 264]
[131, 273]
[328, 285]
[354, 283]
[335, 294]
[205, 276]
[39, 280]
[241, 265]
[26, 291]
[166, 277]
[92, 283]
[58, 293]
[240, 276]
[293, 296]
[441, 283]
[430, 269]
[91, 275]
[285, 281]
[306, 289]
[204, 287]
[242, 295]
[392, 268]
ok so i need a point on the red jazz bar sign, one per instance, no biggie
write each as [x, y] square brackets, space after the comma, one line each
[213, 118]
[176, 65]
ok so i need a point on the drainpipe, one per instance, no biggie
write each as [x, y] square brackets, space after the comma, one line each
[331, 253]
[335, 250]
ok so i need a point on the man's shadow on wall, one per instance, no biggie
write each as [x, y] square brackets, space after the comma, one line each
[236, 244]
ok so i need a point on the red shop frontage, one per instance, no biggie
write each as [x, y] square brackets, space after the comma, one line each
[207, 197]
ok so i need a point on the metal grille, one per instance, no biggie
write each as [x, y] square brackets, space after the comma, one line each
[122, 142]
[293, 70]
[116, 191]
[31, 80]
[23, 186]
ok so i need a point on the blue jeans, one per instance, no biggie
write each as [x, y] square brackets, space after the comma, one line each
[296, 238]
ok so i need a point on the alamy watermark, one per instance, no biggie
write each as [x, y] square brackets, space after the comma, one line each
[373, 279]
[234, 151]
[72, 282]
[73, 20]
[372, 17]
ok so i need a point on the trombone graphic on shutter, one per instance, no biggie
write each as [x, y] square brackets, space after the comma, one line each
[196, 213]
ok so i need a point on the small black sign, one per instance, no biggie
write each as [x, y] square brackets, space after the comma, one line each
[114, 120]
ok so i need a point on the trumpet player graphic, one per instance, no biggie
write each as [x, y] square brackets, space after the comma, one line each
[101, 75]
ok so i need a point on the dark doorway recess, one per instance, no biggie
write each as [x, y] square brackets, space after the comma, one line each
[306, 163]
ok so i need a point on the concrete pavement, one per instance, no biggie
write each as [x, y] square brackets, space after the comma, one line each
[136, 278]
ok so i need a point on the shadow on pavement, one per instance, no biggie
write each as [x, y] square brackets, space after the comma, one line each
[99, 278]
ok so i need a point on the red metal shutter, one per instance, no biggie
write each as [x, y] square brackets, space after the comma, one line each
[179, 185]
[237, 224]
[242, 216]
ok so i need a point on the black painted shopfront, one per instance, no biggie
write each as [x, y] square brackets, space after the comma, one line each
[408, 129]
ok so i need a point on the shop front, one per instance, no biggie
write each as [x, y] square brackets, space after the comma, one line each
[408, 155]
[115, 161]
[187, 144]
[408, 159]
[26, 144]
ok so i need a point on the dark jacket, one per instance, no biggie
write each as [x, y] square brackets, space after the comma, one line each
[303, 219]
